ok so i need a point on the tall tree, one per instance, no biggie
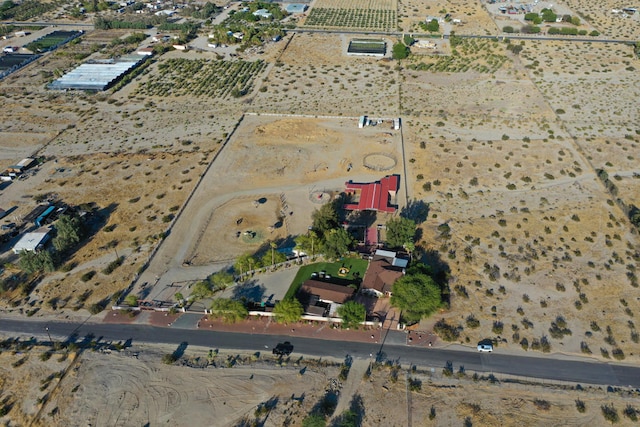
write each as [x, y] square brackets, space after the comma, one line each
[221, 280]
[200, 290]
[400, 51]
[352, 314]
[69, 232]
[288, 310]
[400, 231]
[273, 246]
[337, 243]
[32, 262]
[417, 295]
[245, 263]
[229, 310]
[326, 218]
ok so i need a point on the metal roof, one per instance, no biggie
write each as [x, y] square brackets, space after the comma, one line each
[95, 76]
[31, 241]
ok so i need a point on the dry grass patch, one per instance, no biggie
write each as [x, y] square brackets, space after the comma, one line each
[315, 76]
[135, 197]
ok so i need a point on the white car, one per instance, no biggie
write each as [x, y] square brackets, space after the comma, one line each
[485, 348]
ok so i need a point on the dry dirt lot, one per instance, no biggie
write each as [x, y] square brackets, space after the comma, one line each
[134, 387]
[290, 165]
[472, 14]
[600, 15]
[314, 76]
[508, 162]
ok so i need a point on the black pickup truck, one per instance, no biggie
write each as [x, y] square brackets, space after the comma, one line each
[283, 349]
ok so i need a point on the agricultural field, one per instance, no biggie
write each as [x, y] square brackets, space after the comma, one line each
[474, 55]
[51, 41]
[215, 79]
[374, 15]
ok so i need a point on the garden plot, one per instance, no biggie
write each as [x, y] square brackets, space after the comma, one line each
[374, 15]
[473, 16]
[315, 76]
[582, 84]
[611, 25]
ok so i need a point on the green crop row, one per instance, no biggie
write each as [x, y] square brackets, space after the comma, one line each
[201, 77]
[379, 19]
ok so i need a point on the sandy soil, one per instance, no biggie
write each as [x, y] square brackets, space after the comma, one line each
[316, 77]
[134, 387]
[509, 156]
[263, 194]
[472, 14]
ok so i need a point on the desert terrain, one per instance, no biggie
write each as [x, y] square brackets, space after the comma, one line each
[507, 150]
[107, 387]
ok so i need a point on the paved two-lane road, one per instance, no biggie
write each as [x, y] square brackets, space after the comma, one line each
[548, 367]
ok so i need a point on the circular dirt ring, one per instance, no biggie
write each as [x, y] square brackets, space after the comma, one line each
[319, 197]
[380, 161]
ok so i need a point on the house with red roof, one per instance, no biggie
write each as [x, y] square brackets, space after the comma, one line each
[375, 196]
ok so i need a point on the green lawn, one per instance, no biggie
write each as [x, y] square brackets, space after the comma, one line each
[355, 265]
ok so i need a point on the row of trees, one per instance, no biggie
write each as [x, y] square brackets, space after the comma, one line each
[289, 310]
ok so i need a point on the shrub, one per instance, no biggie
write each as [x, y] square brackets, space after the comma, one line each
[617, 353]
[472, 322]
[580, 406]
[631, 413]
[445, 331]
[88, 276]
[497, 328]
[541, 404]
[95, 308]
[169, 358]
[610, 413]
[415, 384]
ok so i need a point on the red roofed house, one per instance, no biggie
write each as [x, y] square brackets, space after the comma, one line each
[375, 196]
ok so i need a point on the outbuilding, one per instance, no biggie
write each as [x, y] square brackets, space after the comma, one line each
[32, 242]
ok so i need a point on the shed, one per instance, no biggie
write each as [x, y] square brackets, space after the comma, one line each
[26, 163]
[263, 13]
[32, 242]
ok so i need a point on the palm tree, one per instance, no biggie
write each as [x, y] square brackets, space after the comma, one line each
[313, 236]
[273, 248]
[410, 247]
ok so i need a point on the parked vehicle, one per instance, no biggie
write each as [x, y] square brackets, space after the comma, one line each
[485, 348]
[283, 349]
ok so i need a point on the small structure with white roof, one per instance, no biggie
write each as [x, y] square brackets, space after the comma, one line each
[32, 242]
